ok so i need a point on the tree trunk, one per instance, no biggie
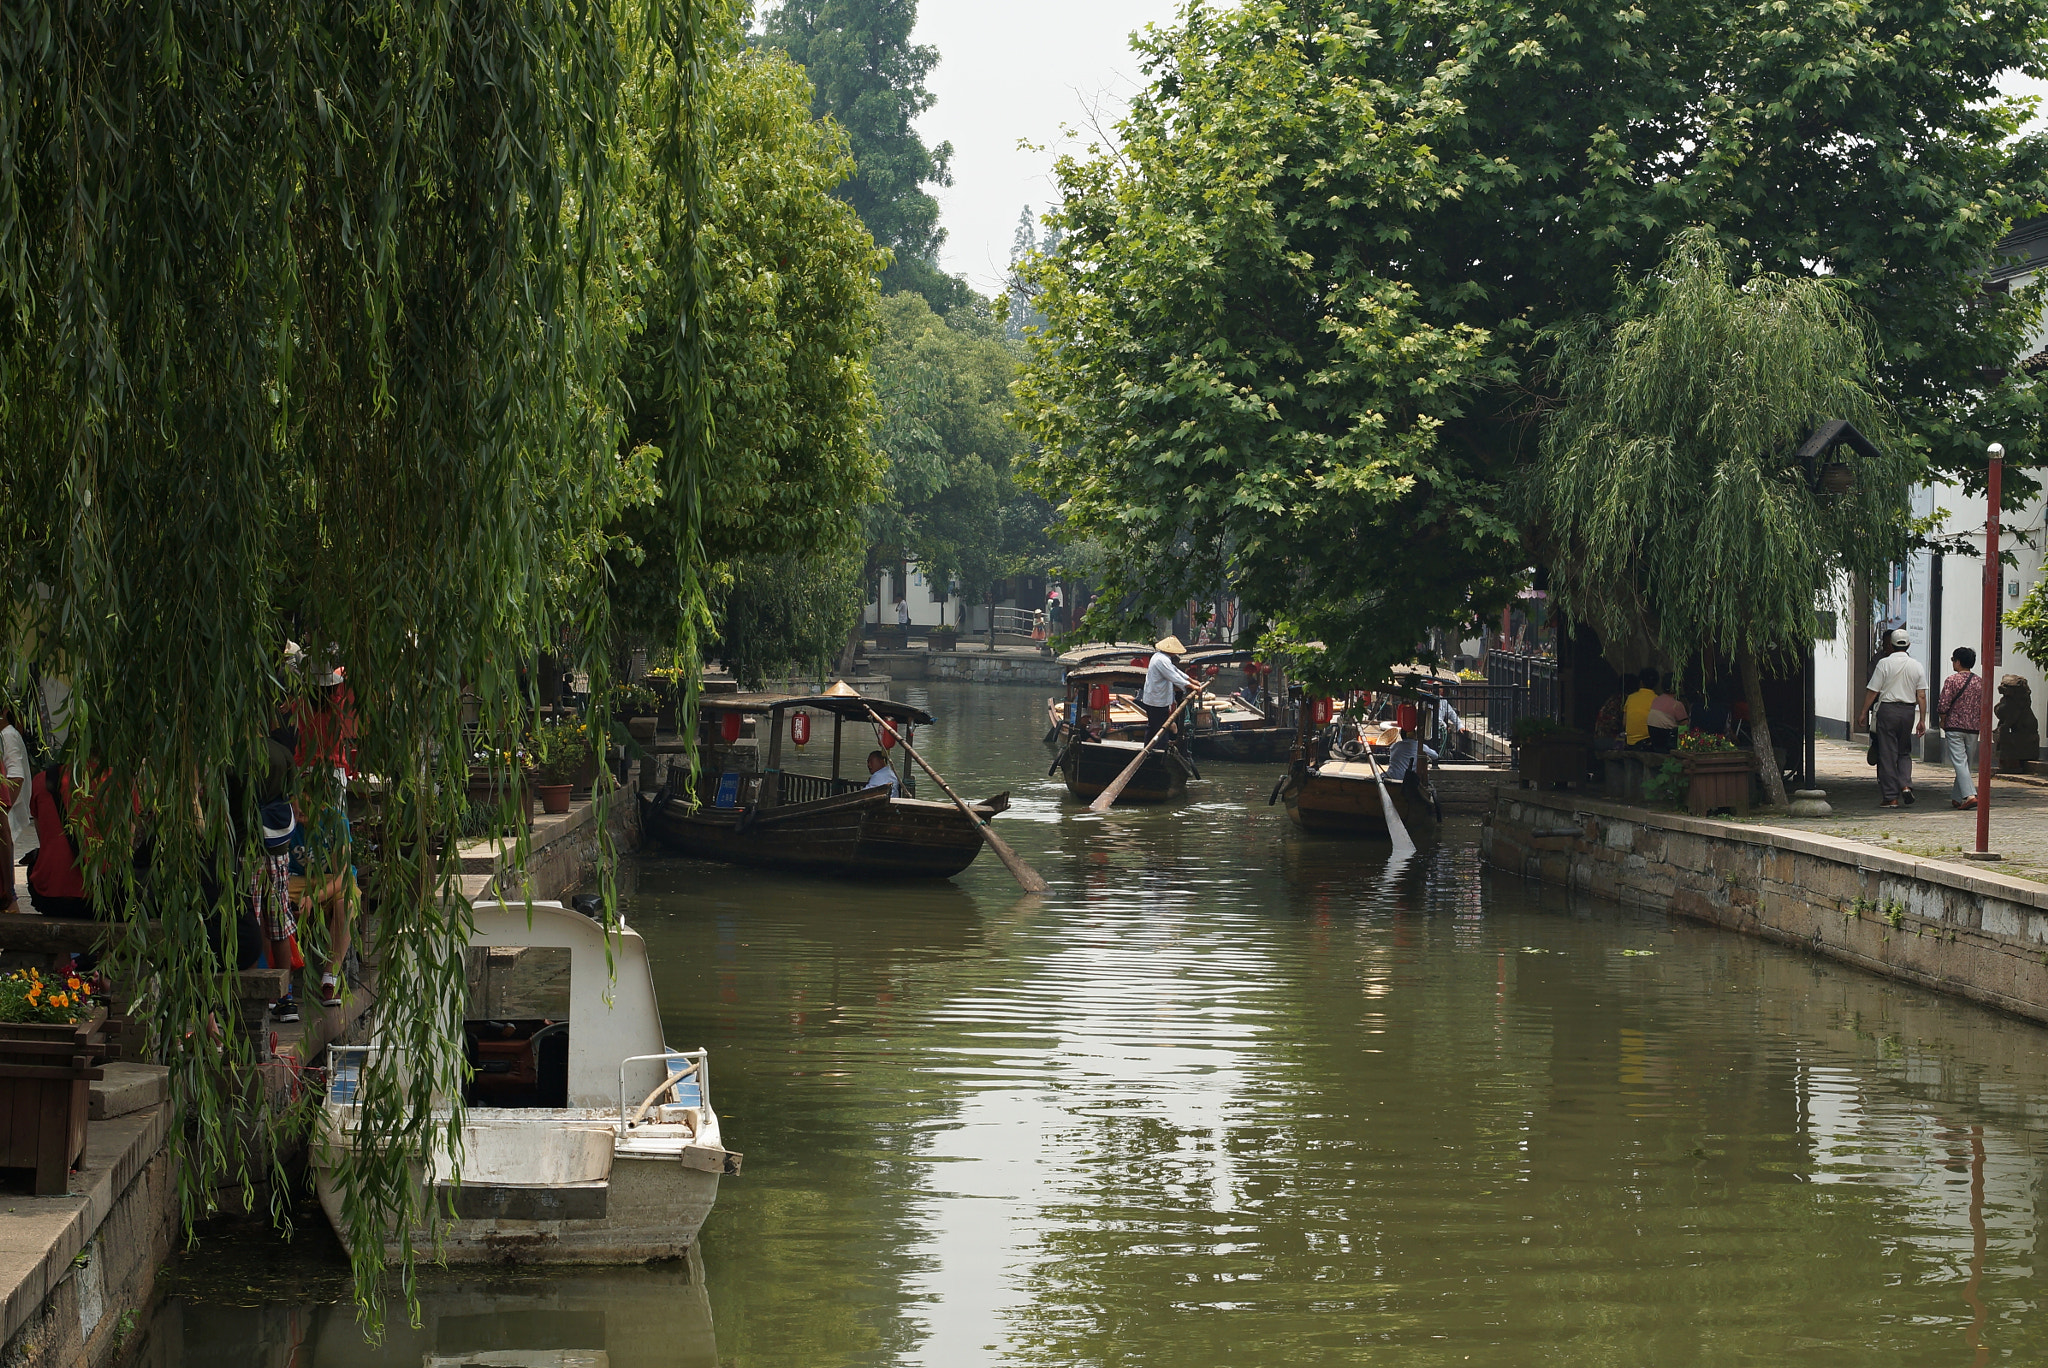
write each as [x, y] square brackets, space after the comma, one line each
[1760, 730]
[852, 647]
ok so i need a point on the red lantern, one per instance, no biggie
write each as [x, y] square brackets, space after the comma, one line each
[1404, 716]
[1326, 708]
[1098, 696]
[729, 726]
[888, 737]
[800, 727]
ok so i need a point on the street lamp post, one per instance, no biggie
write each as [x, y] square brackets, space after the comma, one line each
[1985, 748]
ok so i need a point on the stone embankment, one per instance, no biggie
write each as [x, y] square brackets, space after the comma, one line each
[1008, 665]
[1956, 928]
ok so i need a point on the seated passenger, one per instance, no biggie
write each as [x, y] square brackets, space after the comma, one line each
[880, 775]
[1667, 715]
[1401, 758]
[1636, 711]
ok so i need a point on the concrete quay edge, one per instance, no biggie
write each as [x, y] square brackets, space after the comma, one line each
[40, 1236]
[1868, 858]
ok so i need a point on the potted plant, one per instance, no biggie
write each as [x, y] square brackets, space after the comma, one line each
[944, 638]
[667, 682]
[500, 777]
[1717, 771]
[636, 705]
[554, 753]
[1549, 754]
[51, 1040]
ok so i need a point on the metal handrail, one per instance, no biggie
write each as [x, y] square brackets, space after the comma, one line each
[673, 1061]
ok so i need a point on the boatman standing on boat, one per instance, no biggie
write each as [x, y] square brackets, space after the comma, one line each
[1162, 677]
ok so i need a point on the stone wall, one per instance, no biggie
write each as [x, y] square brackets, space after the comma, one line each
[1952, 927]
[84, 1266]
[980, 667]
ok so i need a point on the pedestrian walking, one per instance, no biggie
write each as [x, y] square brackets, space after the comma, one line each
[1896, 700]
[1958, 711]
[17, 827]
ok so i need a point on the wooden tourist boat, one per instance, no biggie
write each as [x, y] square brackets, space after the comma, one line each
[750, 811]
[1249, 725]
[1333, 784]
[585, 1138]
[1063, 711]
[1089, 766]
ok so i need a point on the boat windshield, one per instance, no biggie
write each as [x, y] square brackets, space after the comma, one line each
[516, 1025]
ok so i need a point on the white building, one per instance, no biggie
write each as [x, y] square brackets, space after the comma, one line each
[1939, 598]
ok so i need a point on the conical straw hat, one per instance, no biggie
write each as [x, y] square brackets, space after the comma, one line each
[1171, 645]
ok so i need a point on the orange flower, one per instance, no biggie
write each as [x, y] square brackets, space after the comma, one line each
[73, 983]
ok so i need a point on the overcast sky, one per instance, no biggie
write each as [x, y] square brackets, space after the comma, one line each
[1008, 74]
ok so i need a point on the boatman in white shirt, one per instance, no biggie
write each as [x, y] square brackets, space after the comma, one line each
[1162, 677]
[1898, 693]
[1401, 755]
[880, 775]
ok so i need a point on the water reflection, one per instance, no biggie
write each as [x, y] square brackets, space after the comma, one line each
[1226, 1095]
[654, 1316]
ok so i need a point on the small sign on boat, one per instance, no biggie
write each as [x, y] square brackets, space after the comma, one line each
[728, 795]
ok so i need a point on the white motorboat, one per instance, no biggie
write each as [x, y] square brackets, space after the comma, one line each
[585, 1139]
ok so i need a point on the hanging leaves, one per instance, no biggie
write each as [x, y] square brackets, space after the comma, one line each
[303, 335]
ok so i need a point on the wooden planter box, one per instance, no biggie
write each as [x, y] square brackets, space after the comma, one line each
[947, 642]
[1718, 779]
[44, 1072]
[1563, 758]
[892, 638]
[487, 787]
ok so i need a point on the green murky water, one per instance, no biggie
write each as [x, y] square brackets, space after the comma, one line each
[1232, 1096]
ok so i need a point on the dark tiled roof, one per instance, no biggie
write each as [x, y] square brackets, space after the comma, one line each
[2022, 250]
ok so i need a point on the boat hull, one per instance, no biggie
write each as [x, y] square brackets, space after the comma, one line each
[1343, 799]
[1091, 766]
[561, 1203]
[1255, 744]
[864, 834]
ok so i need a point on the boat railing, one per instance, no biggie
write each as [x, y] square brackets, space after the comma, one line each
[345, 1064]
[688, 1077]
[812, 788]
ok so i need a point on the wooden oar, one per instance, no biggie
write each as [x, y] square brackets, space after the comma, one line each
[1027, 877]
[1116, 785]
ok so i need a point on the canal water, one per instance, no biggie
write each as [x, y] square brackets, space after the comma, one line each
[1229, 1095]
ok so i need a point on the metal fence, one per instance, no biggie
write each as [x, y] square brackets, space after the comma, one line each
[1517, 686]
[1016, 621]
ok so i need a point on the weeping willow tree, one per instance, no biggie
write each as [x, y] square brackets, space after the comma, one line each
[303, 333]
[1667, 486]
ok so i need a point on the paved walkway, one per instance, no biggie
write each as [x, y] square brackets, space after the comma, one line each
[1930, 828]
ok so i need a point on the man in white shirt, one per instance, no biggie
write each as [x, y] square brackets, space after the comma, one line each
[880, 775]
[1448, 723]
[1898, 693]
[1401, 756]
[1162, 677]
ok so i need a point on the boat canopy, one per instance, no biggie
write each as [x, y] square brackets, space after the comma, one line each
[1218, 655]
[1095, 652]
[1113, 674]
[849, 705]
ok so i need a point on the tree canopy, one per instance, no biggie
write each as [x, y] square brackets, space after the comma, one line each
[1667, 486]
[304, 332]
[790, 304]
[1300, 322]
[952, 502]
[869, 77]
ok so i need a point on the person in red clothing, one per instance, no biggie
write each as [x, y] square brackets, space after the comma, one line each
[56, 885]
[327, 729]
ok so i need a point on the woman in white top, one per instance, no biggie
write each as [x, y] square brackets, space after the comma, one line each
[18, 832]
